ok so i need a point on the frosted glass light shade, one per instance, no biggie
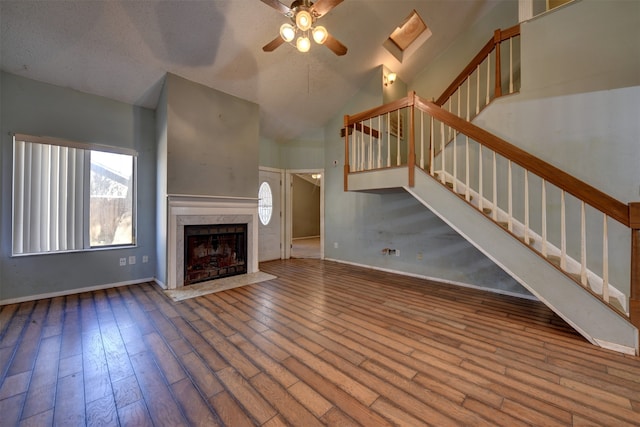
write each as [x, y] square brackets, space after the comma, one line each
[320, 34]
[287, 32]
[303, 44]
[303, 20]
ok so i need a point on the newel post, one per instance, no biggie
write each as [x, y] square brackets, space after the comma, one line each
[411, 157]
[496, 41]
[634, 300]
[346, 153]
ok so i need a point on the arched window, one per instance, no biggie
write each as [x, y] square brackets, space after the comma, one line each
[265, 203]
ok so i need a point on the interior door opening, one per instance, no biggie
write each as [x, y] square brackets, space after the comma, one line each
[305, 214]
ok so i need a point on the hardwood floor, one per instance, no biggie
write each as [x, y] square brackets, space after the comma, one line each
[306, 248]
[323, 344]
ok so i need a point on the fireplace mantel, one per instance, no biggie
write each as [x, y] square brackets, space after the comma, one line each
[199, 210]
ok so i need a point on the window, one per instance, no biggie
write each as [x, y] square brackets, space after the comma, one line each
[265, 203]
[70, 196]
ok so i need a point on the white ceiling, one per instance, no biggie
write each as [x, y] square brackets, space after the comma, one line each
[122, 50]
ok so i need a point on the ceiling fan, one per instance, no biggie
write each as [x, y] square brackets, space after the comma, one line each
[303, 15]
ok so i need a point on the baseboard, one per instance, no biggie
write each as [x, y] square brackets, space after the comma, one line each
[437, 279]
[76, 291]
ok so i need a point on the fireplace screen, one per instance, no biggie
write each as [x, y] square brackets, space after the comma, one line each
[214, 251]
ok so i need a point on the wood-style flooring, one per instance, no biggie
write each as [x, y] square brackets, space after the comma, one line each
[306, 248]
[323, 344]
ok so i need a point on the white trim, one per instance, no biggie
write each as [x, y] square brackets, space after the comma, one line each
[616, 347]
[49, 140]
[437, 279]
[187, 210]
[306, 237]
[76, 291]
[282, 205]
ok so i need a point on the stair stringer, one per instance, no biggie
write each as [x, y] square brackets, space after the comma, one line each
[588, 315]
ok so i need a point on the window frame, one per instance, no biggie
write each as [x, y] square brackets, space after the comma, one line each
[87, 147]
[261, 206]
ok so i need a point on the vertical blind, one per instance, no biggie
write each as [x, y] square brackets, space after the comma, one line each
[48, 197]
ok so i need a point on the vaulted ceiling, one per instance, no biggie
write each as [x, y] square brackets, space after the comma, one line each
[122, 50]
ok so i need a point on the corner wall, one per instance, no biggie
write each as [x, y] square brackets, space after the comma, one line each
[35, 108]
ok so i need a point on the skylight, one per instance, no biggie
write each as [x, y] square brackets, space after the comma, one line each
[408, 36]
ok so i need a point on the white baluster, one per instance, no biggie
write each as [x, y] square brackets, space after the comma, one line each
[432, 143]
[362, 148]
[388, 140]
[526, 207]
[455, 163]
[421, 139]
[605, 259]
[494, 211]
[379, 142]
[370, 143]
[467, 196]
[543, 211]
[468, 97]
[510, 198]
[563, 232]
[511, 65]
[583, 245]
[488, 79]
[399, 127]
[356, 150]
[478, 90]
[442, 152]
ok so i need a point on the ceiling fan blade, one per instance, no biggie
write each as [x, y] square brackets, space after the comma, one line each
[333, 44]
[322, 7]
[273, 44]
[277, 6]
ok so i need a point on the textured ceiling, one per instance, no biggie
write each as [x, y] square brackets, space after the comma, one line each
[122, 50]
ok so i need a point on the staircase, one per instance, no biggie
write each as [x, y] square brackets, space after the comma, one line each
[548, 230]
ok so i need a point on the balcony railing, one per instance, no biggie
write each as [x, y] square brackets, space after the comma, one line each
[568, 222]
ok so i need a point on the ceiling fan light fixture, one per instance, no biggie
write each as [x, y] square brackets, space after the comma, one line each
[287, 32]
[303, 44]
[304, 20]
[320, 34]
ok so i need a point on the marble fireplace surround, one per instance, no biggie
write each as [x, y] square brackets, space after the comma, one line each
[201, 210]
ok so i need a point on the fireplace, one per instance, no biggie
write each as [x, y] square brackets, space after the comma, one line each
[185, 211]
[213, 251]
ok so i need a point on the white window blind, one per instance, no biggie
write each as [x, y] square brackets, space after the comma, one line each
[70, 196]
[49, 198]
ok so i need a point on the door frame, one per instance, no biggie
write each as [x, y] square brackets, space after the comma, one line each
[289, 208]
[282, 204]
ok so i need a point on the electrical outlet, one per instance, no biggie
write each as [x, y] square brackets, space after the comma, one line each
[123, 262]
[132, 259]
[397, 252]
[419, 256]
[335, 245]
[145, 258]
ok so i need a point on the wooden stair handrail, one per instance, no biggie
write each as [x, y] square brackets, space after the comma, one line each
[378, 111]
[499, 36]
[580, 189]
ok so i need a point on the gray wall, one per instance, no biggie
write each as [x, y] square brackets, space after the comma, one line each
[36, 108]
[359, 225]
[305, 207]
[212, 141]
[581, 78]
[434, 79]
[208, 145]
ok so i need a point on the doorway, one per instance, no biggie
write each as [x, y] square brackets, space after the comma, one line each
[305, 213]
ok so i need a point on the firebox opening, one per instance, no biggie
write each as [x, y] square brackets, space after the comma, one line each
[214, 251]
